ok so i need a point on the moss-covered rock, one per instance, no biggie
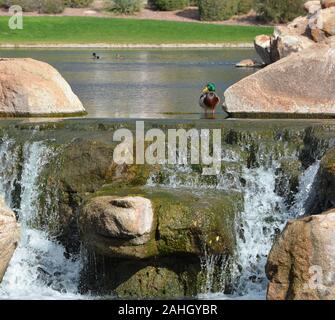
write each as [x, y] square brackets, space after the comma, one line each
[287, 179]
[151, 282]
[79, 169]
[167, 277]
[325, 197]
[185, 223]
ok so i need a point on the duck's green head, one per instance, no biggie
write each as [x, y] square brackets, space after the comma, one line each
[210, 87]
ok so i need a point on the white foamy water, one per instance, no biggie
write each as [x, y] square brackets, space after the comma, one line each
[264, 216]
[38, 269]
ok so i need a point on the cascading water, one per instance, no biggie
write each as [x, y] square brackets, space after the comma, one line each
[38, 268]
[264, 216]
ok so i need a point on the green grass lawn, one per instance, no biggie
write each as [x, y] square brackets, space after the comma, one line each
[100, 30]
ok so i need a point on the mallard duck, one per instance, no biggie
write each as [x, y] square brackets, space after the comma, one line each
[209, 100]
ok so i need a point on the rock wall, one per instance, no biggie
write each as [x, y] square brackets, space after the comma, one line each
[300, 34]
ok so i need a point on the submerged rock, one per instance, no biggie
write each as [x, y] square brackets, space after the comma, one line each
[302, 83]
[9, 236]
[301, 264]
[152, 282]
[33, 88]
[248, 63]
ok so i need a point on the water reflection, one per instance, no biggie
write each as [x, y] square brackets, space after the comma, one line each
[143, 83]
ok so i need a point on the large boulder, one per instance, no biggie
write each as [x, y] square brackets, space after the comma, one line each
[299, 26]
[9, 236]
[330, 41]
[327, 3]
[183, 223]
[292, 37]
[33, 88]
[326, 19]
[287, 44]
[120, 220]
[312, 6]
[301, 264]
[186, 226]
[300, 84]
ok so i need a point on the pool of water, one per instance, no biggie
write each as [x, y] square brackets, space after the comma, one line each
[160, 83]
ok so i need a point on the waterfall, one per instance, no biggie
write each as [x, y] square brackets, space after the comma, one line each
[39, 268]
[264, 216]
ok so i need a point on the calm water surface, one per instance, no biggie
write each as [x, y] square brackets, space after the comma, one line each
[143, 83]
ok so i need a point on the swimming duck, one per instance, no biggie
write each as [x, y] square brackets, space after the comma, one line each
[209, 100]
[95, 56]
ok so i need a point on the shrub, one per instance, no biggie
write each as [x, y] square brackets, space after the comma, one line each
[280, 11]
[127, 6]
[42, 6]
[212, 10]
[26, 5]
[51, 6]
[170, 5]
[244, 6]
[77, 3]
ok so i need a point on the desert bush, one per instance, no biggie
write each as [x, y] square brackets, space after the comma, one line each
[77, 3]
[212, 10]
[244, 6]
[170, 5]
[26, 5]
[127, 6]
[280, 11]
[51, 6]
[42, 6]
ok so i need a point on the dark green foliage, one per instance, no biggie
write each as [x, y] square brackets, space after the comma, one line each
[244, 6]
[215, 10]
[26, 5]
[51, 6]
[170, 5]
[77, 3]
[280, 11]
[127, 6]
